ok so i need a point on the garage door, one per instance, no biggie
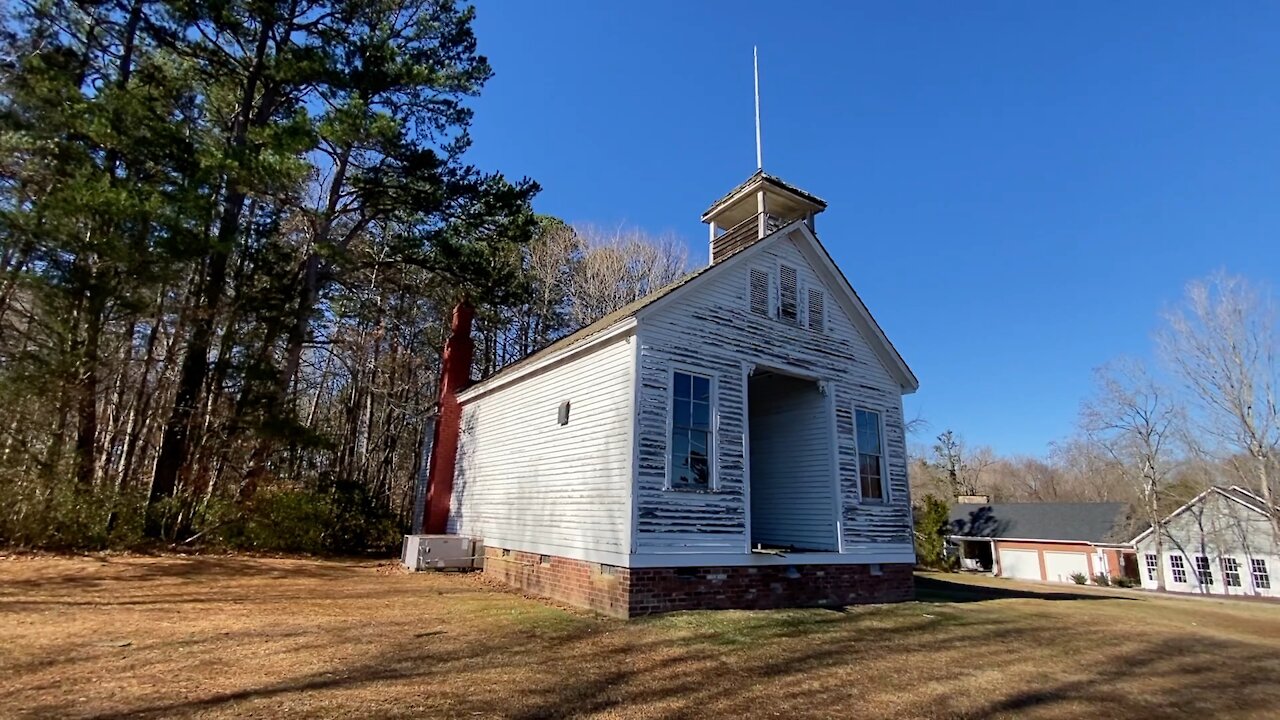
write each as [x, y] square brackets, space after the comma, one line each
[1024, 564]
[1060, 566]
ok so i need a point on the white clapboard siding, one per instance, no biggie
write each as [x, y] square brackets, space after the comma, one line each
[793, 490]
[1217, 527]
[711, 329]
[525, 482]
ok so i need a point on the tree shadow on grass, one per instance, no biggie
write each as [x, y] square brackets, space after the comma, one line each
[502, 656]
[938, 590]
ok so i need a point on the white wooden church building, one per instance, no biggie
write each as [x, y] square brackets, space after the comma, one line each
[734, 440]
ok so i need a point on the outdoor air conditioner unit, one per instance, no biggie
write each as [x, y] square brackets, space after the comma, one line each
[436, 552]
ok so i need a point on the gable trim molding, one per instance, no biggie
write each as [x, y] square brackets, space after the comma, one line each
[834, 281]
[1195, 501]
[484, 387]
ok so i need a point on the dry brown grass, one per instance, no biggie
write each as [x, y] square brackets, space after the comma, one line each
[243, 637]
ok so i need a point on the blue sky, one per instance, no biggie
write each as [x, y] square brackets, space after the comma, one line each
[1015, 189]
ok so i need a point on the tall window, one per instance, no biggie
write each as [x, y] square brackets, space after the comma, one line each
[1179, 570]
[1231, 572]
[690, 464]
[1261, 578]
[1153, 564]
[1203, 573]
[870, 454]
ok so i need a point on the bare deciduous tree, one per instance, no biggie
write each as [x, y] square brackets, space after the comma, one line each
[1133, 420]
[619, 267]
[1222, 343]
[959, 469]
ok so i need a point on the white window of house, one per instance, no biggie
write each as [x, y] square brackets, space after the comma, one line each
[1203, 573]
[870, 455]
[1231, 572]
[788, 294]
[1261, 578]
[758, 292]
[1179, 570]
[690, 449]
[815, 310]
[1153, 565]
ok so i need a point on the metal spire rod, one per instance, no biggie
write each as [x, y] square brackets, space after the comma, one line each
[755, 51]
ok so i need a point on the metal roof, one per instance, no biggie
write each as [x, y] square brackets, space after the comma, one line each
[1070, 521]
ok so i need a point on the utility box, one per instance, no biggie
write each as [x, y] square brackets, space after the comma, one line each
[437, 552]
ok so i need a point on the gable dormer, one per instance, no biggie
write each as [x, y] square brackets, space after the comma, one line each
[754, 209]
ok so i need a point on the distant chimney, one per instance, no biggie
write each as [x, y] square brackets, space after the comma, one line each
[754, 209]
[973, 499]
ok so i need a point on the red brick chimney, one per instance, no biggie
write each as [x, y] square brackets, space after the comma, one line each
[455, 373]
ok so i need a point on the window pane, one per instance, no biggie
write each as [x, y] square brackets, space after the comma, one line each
[698, 461]
[869, 474]
[682, 385]
[701, 415]
[871, 488]
[702, 389]
[698, 443]
[869, 465]
[868, 432]
[683, 413]
[680, 449]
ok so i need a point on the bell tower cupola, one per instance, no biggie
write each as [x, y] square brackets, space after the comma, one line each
[754, 209]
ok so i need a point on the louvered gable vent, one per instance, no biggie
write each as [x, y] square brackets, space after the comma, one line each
[817, 321]
[759, 292]
[788, 294]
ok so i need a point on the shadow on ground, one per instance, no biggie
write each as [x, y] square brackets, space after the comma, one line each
[344, 640]
[939, 590]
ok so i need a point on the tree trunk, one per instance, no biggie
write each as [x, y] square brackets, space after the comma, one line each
[175, 442]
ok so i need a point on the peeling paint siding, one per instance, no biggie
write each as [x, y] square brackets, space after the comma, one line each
[711, 329]
[523, 478]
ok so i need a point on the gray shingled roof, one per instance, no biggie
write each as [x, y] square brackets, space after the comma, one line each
[1081, 522]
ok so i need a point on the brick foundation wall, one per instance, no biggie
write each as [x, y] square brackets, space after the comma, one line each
[765, 587]
[603, 588]
[623, 592]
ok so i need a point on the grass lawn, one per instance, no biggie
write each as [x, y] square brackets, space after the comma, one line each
[245, 637]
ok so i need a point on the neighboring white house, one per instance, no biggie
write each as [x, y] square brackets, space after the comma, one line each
[734, 440]
[1222, 543]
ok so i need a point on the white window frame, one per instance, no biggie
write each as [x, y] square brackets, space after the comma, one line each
[1258, 568]
[713, 444]
[1205, 580]
[1151, 562]
[886, 497]
[1178, 569]
[1227, 572]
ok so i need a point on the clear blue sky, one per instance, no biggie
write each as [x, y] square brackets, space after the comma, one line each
[1016, 189]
